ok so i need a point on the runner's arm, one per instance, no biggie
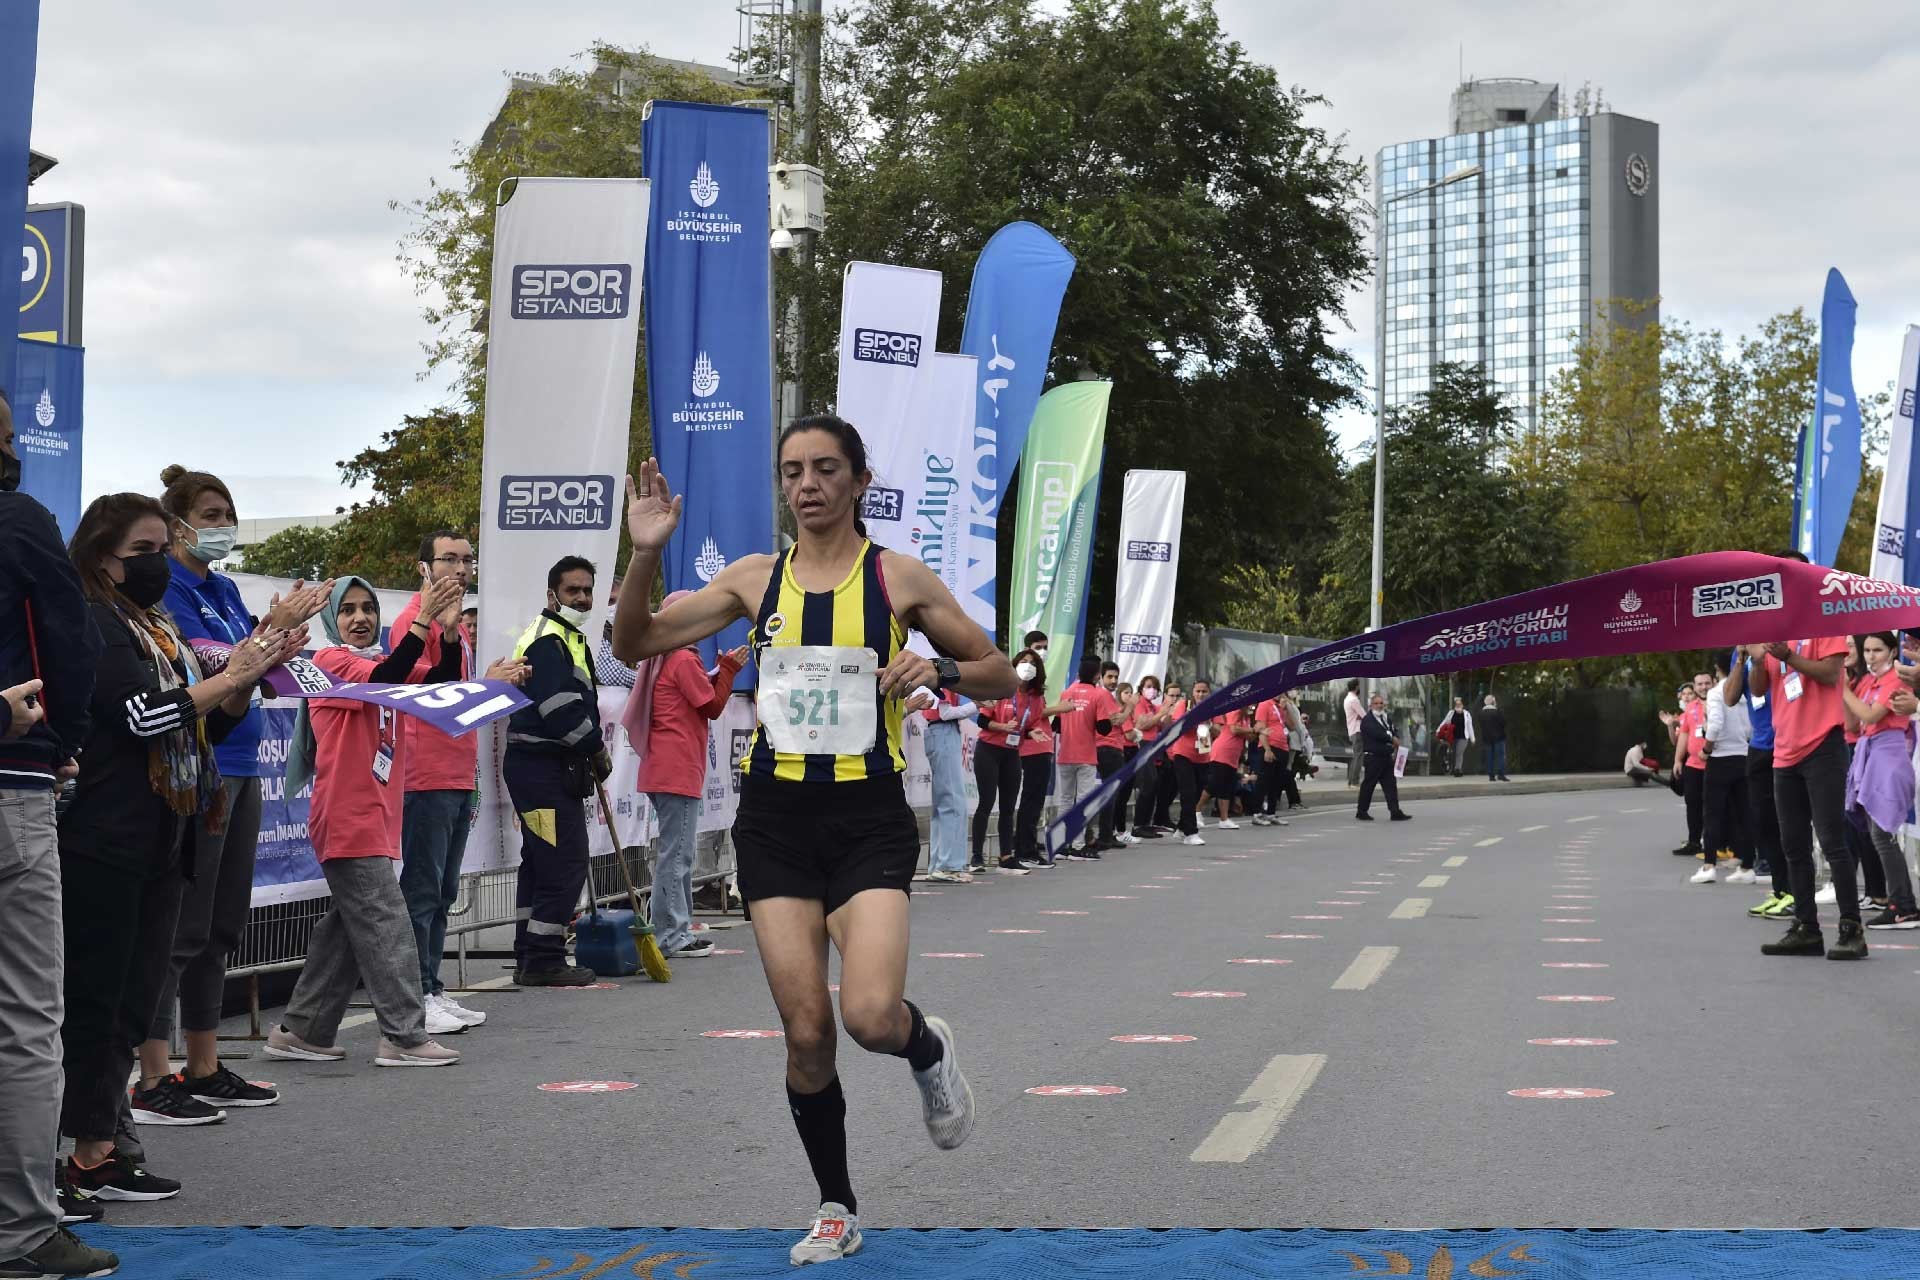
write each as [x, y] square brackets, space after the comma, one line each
[640, 633]
[923, 602]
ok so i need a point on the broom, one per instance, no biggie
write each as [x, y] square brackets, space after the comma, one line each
[651, 958]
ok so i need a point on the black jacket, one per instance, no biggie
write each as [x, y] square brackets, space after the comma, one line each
[1493, 725]
[1375, 737]
[46, 633]
[564, 716]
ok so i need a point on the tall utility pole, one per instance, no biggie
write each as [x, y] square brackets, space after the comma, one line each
[806, 150]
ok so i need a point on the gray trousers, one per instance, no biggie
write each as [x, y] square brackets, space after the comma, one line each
[31, 1008]
[1459, 754]
[672, 900]
[365, 936]
[213, 914]
[1894, 861]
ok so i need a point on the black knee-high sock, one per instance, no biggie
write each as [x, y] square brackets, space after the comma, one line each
[821, 1119]
[923, 1048]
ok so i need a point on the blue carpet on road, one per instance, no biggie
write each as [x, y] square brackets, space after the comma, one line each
[493, 1253]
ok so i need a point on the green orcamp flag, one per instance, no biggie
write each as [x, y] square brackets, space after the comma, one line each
[1053, 535]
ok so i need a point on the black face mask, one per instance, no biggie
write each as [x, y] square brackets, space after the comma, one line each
[9, 473]
[147, 577]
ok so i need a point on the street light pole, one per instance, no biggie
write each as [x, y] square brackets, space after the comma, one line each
[1375, 619]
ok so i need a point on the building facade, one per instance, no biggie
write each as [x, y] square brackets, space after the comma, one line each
[1508, 267]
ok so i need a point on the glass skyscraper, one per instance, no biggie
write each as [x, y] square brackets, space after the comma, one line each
[1506, 268]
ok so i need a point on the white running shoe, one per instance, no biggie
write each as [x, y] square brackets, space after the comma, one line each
[283, 1044]
[1126, 838]
[1280, 822]
[1704, 875]
[448, 1005]
[440, 1021]
[1228, 824]
[1741, 876]
[1827, 897]
[946, 1098]
[835, 1234]
[941, 877]
[1200, 820]
[1193, 840]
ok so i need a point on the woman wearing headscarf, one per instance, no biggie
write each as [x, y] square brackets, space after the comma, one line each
[666, 719]
[147, 767]
[353, 753]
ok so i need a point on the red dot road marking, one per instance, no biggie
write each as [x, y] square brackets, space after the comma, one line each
[1193, 868]
[1560, 1094]
[1576, 999]
[1065, 913]
[1146, 886]
[1170, 877]
[588, 1086]
[1898, 946]
[1368, 892]
[747, 1035]
[1153, 1039]
[953, 955]
[1210, 995]
[1369, 881]
[833, 986]
[1572, 1042]
[1076, 1090]
[1297, 937]
[1116, 897]
[1570, 939]
[1259, 960]
[1573, 897]
[1566, 919]
[1316, 917]
[1237, 857]
[1572, 964]
[1016, 931]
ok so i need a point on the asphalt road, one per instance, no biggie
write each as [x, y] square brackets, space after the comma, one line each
[1362, 1082]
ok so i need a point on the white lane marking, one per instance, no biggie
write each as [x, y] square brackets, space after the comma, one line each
[1273, 1095]
[1585, 817]
[491, 984]
[1457, 860]
[1434, 882]
[1633, 811]
[1366, 968]
[1411, 909]
[1525, 830]
[1481, 844]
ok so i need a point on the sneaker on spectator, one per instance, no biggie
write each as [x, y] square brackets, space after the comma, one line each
[75, 1206]
[282, 1043]
[693, 950]
[1704, 875]
[439, 1021]
[119, 1178]
[168, 1102]
[1740, 875]
[1013, 867]
[226, 1088]
[941, 877]
[559, 975]
[1193, 840]
[1826, 897]
[428, 1054]
[1781, 909]
[62, 1254]
[472, 1017]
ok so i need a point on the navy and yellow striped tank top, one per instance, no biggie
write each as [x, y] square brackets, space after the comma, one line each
[856, 614]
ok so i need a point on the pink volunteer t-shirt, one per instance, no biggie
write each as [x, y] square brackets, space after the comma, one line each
[1874, 691]
[1228, 746]
[1802, 719]
[1115, 738]
[1187, 745]
[1001, 712]
[1145, 708]
[353, 814]
[684, 700]
[436, 761]
[1077, 734]
[1036, 733]
[1269, 716]
[1693, 728]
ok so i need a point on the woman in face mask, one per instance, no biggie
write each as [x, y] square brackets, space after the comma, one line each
[1033, 716]
[206, 607]
[147, 768]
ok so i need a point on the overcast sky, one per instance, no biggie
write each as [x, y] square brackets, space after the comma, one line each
[244, 311]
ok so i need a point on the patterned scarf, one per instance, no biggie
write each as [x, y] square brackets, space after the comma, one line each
[180, 764]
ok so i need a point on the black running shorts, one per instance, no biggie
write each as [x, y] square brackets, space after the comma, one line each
[824, 840]
[1223, 781]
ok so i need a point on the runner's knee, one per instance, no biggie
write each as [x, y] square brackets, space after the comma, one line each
[873, 1024]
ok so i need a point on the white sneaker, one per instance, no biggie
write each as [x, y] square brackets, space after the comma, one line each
[1126, 838]
[1827, 897]
[454, 1009]
[1228, 824]
[945, 1096]
[942, 877]
[835, 1234]
[1742, 876]
[1193, 840]
[440, 1021]
[283, 1044]
[420, 1055]
[1280, 822]
[1704, 875]
[1200, 820]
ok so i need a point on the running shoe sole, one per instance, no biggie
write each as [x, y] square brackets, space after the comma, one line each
[414, 1062]
[233, 1102]
[120, 1193]
[143, 1116]
[291, 1054]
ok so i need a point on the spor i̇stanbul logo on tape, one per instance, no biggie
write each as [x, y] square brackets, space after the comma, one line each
[1162, 552]
[1741, 595]
[571, 291]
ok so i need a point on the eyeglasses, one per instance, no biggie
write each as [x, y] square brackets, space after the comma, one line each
[465, 562]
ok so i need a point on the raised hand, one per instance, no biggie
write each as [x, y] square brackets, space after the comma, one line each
[512, 670]
[300, 603]
[653, 512]
[438, 597]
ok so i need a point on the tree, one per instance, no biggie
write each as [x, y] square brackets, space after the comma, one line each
[303, 551]
[1217, 232]
[1461, 526]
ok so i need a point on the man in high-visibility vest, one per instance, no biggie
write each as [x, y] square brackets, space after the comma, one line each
[554, 757]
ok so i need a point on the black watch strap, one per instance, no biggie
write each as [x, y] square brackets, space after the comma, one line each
[948, 670]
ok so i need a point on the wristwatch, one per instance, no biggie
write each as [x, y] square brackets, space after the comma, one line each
[948, 672]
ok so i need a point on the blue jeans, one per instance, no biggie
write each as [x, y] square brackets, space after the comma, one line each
[673, 869]
[1496, 753]
[947, 830]
[433, 840]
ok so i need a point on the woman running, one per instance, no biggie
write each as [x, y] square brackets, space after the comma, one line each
[825, 841]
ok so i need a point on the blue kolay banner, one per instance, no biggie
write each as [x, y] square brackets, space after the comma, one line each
[19, 41]
[709, 331]
[1012, 308]
[48, 419]
[1831, 458]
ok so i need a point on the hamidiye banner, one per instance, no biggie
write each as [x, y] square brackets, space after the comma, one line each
[1152, 509]
[564, 329]
[1012, 307]
[19, 44]
[710, 339]
[1711, 601]
[1831, 453]
[1896, 553]
[48, 417]
[1054, 528]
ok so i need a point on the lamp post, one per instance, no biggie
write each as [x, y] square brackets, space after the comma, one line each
[1380, 421]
